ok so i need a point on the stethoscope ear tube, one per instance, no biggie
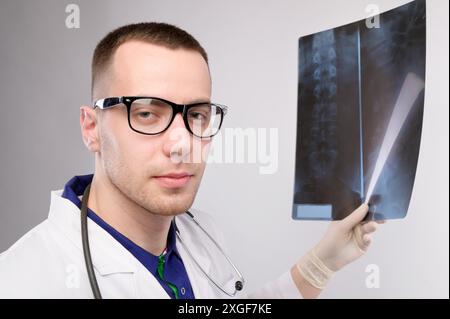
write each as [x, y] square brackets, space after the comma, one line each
[85, 242]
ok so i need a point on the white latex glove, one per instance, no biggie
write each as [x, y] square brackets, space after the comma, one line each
[346, 240]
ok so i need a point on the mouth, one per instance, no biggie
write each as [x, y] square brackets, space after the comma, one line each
[174, 180]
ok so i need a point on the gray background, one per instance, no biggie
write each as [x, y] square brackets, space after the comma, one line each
[45, 77]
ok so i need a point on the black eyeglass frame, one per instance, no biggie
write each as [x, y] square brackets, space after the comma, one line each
[110, 102]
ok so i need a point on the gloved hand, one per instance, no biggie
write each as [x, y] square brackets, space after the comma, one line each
[345, 241]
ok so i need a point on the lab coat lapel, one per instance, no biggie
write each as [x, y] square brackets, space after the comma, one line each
[200, 284]
[119, 271]
[147, 286]
[108, 256]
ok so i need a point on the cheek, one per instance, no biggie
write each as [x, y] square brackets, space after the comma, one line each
[110, 151]
[143, 150]
[137, 150]
[123, 148]
[128, 160]
[204, 146]
[113, 130]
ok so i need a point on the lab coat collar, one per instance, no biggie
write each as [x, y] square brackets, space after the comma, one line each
[108, 255]
[74, 190]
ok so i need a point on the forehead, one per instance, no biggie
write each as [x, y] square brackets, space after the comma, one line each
[140, 68]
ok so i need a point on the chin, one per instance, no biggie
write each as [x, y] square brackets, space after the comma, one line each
[172, 210]
[171, 205]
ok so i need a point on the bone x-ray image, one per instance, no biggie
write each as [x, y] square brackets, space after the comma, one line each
[359, 119]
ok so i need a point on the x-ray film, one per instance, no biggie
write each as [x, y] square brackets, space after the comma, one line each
[359, 120]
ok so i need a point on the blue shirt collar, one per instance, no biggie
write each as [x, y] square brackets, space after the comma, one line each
[75, 188]
[174, 273]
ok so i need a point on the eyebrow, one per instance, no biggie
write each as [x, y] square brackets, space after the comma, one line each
[199, 101]
[194, 101]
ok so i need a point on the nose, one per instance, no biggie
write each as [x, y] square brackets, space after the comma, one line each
[178, 141]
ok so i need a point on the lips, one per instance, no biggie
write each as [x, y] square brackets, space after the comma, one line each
[173, 180]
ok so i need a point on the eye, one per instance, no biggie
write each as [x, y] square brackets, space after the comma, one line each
[197, 116]
[144, 114]
[200, 113]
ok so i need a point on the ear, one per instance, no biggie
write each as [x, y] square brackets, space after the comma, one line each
[89, 128]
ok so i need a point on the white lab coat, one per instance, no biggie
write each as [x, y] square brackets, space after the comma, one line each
[48, 262]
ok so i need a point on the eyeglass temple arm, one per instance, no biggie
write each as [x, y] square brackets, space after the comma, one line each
[224, 108]
[108, 102]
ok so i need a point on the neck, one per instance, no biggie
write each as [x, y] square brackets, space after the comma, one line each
[142, 227]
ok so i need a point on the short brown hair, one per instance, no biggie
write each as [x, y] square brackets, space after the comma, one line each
[157, 33]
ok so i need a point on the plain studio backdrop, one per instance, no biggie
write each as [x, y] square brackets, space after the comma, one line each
[253, 50]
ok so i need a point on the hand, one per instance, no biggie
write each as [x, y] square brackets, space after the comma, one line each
[346, 240]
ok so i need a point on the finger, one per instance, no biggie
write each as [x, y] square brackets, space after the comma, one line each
[358, 238]
[367, 240]
[369, 227]
[355, 217]
[381, 221]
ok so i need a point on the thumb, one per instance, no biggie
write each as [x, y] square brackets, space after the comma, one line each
[355, 217]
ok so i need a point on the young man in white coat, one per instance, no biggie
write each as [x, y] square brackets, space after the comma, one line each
[152, 112]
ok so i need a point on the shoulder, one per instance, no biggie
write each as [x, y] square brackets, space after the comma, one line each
[28, 246]
[204, 217]
[205, 220]
[29, 265]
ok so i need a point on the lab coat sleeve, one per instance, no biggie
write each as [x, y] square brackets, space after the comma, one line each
[281, 288]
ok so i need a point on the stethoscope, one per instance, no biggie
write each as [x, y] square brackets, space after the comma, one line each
[238, 285]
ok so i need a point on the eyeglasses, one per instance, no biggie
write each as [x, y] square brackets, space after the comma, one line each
[151, 115]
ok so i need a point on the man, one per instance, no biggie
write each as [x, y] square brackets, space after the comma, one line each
[151, 116]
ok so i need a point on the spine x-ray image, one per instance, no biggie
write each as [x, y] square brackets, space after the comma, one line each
[359, 120]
